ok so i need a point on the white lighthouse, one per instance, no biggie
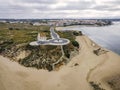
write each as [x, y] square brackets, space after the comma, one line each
[41, 37]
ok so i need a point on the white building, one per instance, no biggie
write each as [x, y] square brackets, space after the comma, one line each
[41, 37]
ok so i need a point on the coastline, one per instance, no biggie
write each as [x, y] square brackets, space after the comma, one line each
[76, 75]
[105, 36]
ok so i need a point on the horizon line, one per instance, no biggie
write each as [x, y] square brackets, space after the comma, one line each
[57, 18]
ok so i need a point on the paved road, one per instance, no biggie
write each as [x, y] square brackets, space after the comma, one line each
[54, 35]
[56, 40]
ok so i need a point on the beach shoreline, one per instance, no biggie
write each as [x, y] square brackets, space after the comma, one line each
[84, 68]
[105, 36]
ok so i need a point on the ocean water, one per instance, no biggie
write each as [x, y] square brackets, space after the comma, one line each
[106, 36]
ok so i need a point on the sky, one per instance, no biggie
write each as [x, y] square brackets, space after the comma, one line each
[42, 9]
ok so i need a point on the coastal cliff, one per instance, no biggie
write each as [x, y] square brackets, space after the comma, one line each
[49, 57]
[85, 71]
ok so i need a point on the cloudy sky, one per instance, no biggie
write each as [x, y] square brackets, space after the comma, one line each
[59, 9]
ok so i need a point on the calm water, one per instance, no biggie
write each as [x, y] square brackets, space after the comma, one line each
[106, 36]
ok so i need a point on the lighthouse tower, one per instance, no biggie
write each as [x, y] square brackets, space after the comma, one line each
[41, 37]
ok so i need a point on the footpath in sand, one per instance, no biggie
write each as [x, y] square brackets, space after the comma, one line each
[76, 75]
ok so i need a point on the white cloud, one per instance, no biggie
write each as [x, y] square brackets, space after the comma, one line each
[59, 8]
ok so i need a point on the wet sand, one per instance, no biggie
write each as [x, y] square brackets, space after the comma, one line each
[76, 75]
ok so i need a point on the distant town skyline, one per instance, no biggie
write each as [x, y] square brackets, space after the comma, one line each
[33, 9]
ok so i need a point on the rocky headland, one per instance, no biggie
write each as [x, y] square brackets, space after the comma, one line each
[85, 71]
[41, 57]
[90, 66]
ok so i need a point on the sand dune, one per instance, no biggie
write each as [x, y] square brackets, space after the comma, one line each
[90, 67]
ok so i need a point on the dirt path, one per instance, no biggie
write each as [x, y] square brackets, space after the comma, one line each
[61, 58]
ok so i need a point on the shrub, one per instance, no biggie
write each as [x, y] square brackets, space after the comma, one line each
[10, 28]
[75, 33]
[75, 43]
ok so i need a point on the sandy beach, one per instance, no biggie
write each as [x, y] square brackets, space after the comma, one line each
[90, 67]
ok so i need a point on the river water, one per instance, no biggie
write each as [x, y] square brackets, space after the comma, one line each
[105, 36]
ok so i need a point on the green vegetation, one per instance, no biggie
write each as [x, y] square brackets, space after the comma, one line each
[15, 39]
[40, 57]
[77, 33]
[75, 43]
[20, 33]
[68, 49]
[67, 34]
